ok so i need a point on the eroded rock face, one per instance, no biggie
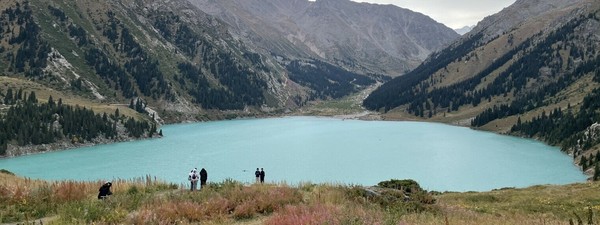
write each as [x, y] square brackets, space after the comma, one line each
[372, 38]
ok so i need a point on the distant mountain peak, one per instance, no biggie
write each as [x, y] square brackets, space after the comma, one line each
[464, 30]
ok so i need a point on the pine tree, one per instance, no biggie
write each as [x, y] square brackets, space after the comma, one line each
[19, 94]
[50, 101]
[32, 98]
[596, 172]
[583, 163]
[8, 99]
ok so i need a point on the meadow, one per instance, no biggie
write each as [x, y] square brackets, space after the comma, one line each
[147, 200]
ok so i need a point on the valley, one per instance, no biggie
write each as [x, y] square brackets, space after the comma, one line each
[336, 77]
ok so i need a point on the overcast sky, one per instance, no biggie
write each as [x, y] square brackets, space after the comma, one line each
[453, 13]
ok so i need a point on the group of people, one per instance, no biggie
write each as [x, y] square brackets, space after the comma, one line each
[193, 177]
[260, 175]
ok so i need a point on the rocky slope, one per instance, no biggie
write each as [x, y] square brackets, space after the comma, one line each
[381, 39]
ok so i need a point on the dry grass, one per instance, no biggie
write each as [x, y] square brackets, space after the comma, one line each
[24, 199]
[146, 201]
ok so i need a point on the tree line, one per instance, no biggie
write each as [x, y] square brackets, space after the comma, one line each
[28, 122]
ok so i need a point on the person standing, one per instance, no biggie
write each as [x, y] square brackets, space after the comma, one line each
[193, 178]
[203, 178]
[257, 174]
[262, 175]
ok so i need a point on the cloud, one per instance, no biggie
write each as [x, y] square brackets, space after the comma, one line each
[452, 13]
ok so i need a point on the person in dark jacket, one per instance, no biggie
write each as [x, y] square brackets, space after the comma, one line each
[104, 191]
[262, 175]
[203, 178]
[257, 174]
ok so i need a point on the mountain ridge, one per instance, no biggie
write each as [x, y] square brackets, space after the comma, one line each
[316, 27]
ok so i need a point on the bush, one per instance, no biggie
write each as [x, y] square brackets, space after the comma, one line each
[6, 172]
[407, 185]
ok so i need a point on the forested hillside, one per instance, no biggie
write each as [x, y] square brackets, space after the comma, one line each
[29, 122]
[181, 63]
[539, 79]
[171, 54]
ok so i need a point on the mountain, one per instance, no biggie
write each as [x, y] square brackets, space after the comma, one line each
[464, 30]
[166, 60]
[188, 64]
[86, 61]
[164, 52]
[367, 38]
[530, 70]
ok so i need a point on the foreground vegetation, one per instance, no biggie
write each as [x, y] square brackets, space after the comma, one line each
[148, 201]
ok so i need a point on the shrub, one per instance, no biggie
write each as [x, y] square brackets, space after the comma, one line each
[407, 185]
[6, 172]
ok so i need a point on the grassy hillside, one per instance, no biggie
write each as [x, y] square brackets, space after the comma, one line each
[148, 201]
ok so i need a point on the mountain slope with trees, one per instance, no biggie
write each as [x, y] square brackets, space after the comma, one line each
[538, 78]
[171, 54]
[181, 63]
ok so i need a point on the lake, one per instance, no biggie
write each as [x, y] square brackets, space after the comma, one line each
[319, 150]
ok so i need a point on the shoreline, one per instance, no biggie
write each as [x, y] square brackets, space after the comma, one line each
[63, 145]
[365, 115]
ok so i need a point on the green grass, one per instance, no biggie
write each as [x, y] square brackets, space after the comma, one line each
[350, 104]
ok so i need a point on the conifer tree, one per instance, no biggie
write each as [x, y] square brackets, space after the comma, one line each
[583, 163]
[19, 94]
[596, 172]
[8, 99]
[50, 101]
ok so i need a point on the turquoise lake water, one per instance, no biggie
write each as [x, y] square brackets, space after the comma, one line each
[320, 150]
